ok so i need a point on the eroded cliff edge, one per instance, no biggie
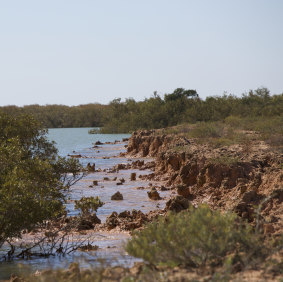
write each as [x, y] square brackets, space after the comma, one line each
[244, 178]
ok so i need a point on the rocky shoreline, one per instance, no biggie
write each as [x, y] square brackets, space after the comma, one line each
[245, 180]
[231, 178]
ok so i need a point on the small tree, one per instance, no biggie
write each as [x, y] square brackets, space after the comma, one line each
[180, 93]
[88, 205]
[33, 179]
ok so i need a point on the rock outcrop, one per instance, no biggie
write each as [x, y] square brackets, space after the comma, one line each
[153, 194]
[87, 223]
[177, 204]
[117, 197]
[126, 220]
[228, 178]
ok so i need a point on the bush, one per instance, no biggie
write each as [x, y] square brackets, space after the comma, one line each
[33, 179]
[88, 205]
[193, 238]
[207, 130]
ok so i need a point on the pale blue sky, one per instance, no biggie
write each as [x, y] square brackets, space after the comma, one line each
[83, 51]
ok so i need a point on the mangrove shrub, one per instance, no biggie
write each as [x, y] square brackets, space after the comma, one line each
[194, 238]
[33, 179]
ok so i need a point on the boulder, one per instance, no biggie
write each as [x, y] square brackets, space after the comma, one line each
[133, 176]
[177, 204]
[117, 196]
[184, 191]
[120, 166]
[126, 220]
[250, 196]
[87, 223]
[154, 195]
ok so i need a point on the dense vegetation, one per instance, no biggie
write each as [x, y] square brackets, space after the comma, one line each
[181, 106]
[33, 179]
[205, 239]
[194, 244]
[59, 116]
[177, 108]
[214, 245]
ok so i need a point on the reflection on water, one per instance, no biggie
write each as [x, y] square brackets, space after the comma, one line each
[77, 140]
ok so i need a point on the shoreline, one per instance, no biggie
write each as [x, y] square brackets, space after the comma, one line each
[198, 173]
[109, 241]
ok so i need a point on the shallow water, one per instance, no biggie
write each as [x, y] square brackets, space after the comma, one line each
[78, 141]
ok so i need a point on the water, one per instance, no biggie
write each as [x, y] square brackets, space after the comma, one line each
[77, 141]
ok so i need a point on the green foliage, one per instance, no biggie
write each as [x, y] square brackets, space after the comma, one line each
[180, 106]
[88, 205]
[206, 130]
[180, 93]
[33, 180]
[183, 106]
[194, 238]
[57, 116]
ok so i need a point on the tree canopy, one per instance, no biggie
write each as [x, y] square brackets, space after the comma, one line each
[33, 179]
[157, 111]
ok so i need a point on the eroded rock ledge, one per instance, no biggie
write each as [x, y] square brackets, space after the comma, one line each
[229, 178]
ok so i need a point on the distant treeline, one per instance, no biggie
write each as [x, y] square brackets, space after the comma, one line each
[181, 106]
[58, 116]
[184, 106]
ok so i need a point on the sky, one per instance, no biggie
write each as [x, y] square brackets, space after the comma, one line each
[86, 51]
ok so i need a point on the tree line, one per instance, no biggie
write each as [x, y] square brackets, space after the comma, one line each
[180, 106]
[185, 106]
[59, 116]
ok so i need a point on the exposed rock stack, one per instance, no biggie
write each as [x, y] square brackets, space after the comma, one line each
[117, 197]
[153, 194]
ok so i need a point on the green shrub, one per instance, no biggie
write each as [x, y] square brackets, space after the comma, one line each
[207, 130]
[88, 205]
[193, 238]
[233, 121]
[33, 178]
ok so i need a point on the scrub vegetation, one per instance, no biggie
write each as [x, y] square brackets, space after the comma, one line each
[210, 243]
[257, 108]
[34, 180]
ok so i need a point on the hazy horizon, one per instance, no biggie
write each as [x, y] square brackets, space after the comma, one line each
[75, 53]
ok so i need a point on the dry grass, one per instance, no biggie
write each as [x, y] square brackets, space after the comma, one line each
[232, 130]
